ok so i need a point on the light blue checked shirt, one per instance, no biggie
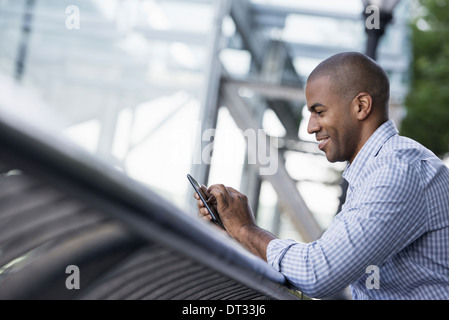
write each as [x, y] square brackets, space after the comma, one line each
[395, 218]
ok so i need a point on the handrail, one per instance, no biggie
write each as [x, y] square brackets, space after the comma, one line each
[49, 157]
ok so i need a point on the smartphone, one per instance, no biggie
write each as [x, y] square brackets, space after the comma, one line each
[212, 212]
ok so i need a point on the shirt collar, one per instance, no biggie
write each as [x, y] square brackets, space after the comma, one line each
[369, 150]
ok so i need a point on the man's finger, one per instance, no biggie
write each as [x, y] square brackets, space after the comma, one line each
[218, 191]
[205, 192]
[222, 196]
[204, 213]
[233, 191]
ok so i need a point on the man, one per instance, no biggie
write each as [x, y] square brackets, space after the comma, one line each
[391, 238]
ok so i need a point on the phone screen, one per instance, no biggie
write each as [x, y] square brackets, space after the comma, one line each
[212, 212]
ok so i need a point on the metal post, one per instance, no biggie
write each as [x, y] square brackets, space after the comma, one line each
[209, 103]
[374, 35]
[271, 72]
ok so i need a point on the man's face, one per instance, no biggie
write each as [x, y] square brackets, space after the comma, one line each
[332, 120]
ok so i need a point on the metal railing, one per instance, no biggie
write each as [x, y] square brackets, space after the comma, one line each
[63, 210]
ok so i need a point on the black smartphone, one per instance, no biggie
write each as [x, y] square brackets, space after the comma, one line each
[212, 212]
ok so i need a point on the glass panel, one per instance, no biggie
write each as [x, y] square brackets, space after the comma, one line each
[123, 78]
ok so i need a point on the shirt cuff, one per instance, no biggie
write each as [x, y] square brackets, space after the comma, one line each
[276, 250]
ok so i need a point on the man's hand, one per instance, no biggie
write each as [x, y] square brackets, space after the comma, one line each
[233, 208]
[210, 199]
[237, 217]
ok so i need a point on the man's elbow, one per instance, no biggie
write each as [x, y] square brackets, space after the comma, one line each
[320, 288]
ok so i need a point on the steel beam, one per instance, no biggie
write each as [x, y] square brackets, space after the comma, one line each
[243, 19]
[281, 12]
[269, 90]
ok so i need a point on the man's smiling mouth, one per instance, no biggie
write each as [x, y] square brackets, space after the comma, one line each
[323, 142]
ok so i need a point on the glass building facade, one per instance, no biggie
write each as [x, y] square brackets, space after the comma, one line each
[141, 84]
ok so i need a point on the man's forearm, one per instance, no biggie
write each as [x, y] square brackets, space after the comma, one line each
[238, 219]
[255, 239]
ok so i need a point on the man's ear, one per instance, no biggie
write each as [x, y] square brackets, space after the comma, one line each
[363, 105]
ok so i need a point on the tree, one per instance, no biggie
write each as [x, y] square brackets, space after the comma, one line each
[427, 104]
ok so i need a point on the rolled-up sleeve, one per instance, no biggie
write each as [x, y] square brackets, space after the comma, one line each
[276, 251]
[305, 266]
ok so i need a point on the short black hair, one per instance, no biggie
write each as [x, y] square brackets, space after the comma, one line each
[352, 73]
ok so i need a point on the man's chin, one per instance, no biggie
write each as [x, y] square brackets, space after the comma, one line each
[333, 159]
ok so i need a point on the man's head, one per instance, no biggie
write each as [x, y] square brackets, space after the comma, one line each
[347, 95]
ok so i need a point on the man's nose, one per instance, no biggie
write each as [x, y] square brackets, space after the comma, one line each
[313, 125]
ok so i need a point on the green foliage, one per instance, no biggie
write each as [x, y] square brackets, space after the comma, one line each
[427, 119]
